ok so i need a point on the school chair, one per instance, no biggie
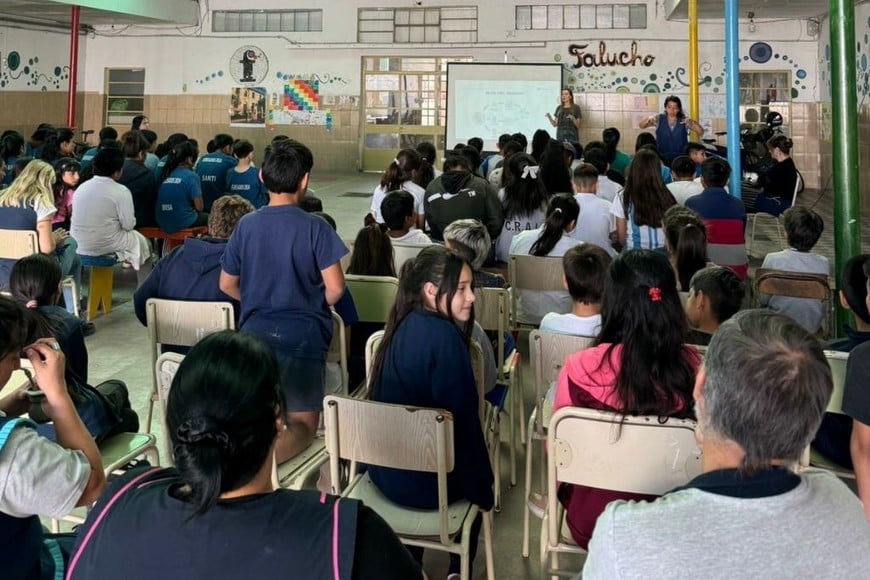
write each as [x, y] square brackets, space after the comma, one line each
[547, 351]
[609, 451]
[403, 252]
[181, 323]
[812, 458]
[532, 273]
[403, 437]
[777, 220]
[17, 244]
[796, 285]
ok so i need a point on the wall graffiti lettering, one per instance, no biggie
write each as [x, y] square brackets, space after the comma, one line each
[605, 58]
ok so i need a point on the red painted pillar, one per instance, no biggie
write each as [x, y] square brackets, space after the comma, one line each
[73, 68]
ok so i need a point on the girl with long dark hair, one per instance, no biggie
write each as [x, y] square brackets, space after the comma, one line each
[435, 300]
[638, 365]
[523, 198]
[686, 243]
[640, 207]
[551, 240]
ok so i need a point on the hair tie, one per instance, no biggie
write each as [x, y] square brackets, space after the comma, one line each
[203, 431]
[655, 294]
[396, 161]
[31, 304]
[557, 210]
[530, 171]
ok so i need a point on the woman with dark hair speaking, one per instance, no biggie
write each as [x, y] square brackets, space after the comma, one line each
[672, 129]
[216, 515]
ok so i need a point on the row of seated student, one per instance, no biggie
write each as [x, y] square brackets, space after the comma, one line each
[435, 298]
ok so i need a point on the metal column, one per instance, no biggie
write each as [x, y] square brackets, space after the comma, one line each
[694, 105]
[73, 68]
[732, 94]
[844, 118]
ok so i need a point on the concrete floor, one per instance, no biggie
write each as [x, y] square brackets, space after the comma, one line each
[119, 349]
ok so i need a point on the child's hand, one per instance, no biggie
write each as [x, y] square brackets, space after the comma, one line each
[59, 235]
[48, 365]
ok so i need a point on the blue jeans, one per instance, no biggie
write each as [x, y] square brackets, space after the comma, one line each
[70, 265]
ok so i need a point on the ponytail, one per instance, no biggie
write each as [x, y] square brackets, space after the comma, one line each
[176, 156]
[562, 211]
[33, 282]
[171, 141]
[221, 415]
[401, 169]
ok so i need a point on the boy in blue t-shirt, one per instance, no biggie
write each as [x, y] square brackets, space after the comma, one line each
[282, 265]
[212, 169]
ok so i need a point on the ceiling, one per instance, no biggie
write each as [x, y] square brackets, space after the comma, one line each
[58, 14]
[763, 9]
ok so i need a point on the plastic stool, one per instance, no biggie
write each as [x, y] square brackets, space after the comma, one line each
[100, 283]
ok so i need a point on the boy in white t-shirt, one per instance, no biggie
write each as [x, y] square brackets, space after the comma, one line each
[595, 223]
[397, 209]
[585, 274]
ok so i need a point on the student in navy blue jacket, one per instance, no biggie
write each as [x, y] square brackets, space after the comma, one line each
[435, 294]
[191, 272]
[213, 167]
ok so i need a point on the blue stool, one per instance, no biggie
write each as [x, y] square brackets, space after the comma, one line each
[100, 282]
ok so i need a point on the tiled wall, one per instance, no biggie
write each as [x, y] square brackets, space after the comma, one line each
[22, 111]
[826, 156]
[202, 116]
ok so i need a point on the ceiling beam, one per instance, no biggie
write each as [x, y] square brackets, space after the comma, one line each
[180, 12]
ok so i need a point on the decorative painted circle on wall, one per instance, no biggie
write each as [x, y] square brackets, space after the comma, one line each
[760, 52]
[801, 74]
[13, 60]
[651, 88]
[249, 65]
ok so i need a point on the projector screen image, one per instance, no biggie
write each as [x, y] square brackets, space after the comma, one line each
[487, 99]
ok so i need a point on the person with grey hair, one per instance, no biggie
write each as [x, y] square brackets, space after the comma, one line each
[470, 239]
[759, 399]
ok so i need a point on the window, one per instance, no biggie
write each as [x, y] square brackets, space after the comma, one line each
[267, 21]
[125, 95]
[576, 16]
[417, 25]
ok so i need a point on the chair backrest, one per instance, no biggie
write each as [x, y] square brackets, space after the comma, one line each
[184, 323]
[345, 260]
[492, 312]
[337, 352]
[165, 368]
[798, 187]
[548, 351]
[791, 284]
[403, 252]
[631, 454]
[475, 353]
[15, 244]
[373, 296]
[837, 361]
[535, 273]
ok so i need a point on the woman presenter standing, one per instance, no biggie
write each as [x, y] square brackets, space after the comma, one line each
[566, 119]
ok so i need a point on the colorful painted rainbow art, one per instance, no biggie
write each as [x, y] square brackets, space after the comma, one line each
[301, 95]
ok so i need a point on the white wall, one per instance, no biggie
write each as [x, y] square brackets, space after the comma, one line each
[43, 60]
[180, 61]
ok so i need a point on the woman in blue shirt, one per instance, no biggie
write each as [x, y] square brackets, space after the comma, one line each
[672, 129]
[179, 199]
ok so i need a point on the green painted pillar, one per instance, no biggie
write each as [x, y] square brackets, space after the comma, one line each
[844, 109]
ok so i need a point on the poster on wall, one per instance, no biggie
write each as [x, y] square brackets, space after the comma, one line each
[247, 107]
[299, 104]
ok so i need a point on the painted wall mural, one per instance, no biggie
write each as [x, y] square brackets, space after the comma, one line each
[18, 72]
[862, 66]
[646, 79]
